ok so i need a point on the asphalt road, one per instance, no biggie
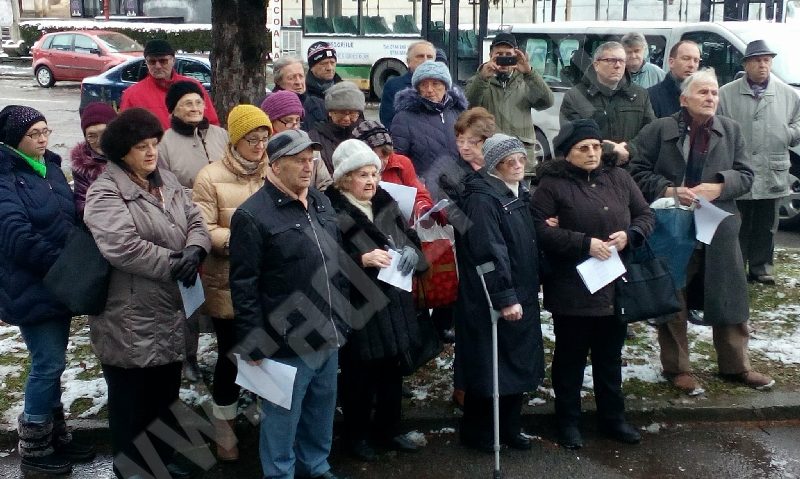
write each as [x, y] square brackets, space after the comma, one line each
[698, 450]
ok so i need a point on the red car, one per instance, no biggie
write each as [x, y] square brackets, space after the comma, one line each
[78, 54]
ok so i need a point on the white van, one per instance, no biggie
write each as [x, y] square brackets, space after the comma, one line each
[552, 46]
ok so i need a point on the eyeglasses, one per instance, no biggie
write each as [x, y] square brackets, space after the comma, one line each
[463, 142]
[513, 160]
[92, 137]
[612, 61]
[290, 122]
[190, 104]
[36, 134]
[154, 61]
[256, 141]
[586, 148]
[342, 113]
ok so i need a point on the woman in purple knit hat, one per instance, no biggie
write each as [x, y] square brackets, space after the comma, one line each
[87, 157]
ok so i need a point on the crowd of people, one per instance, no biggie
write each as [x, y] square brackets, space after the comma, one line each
[282, 217]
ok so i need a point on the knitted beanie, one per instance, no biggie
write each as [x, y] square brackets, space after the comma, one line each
[282, 103]
[180, 89]
[319, 51]
[245, 118]
[158, 47]
[97, 113]
[351, 155]
[574, 132]
[433, 70]
[373, 133]
[344, 95]
[126, 130]
[15, 121]
[498, 147]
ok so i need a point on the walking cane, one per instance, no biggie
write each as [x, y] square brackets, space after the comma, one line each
[495, 315]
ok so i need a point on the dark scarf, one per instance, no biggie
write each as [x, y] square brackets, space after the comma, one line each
[186, 129]
[336, 132]
[758, 88]
[315, 86]
[699, 139]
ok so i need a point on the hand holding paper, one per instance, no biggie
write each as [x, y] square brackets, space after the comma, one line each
[707, 218]
[393, 275]
[597, 273]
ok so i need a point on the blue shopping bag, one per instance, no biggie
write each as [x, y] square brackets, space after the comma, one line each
[673, 239]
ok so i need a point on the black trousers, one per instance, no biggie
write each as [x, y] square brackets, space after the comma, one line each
[477, 424]
[371, 394]
[225, 390]
[136, 398]
[757, 234]
[577, 337]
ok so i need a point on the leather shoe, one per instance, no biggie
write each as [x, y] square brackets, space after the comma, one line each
[362, 451]
[518, 442]
[176, 471]
[686, 383]
[569, 437]
[763, 279]
[753, 379]
[622, 432]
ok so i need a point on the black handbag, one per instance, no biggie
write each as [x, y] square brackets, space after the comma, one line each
[422, 351]
[646, 290]
[79, 277]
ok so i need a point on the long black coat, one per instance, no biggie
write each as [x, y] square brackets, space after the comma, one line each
[382, 327]
[663, 151]
[36, 215]
[665, 97]
[588, 205]
[502, 232]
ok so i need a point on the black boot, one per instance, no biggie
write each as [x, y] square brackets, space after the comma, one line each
[63, 442]
[36, 449]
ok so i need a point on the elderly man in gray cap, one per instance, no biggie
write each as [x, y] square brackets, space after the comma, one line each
[288, 301]
[769, 112]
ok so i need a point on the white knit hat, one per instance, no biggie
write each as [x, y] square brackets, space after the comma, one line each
[351, 155]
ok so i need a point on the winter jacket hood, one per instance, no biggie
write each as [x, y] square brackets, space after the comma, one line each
[87, 165]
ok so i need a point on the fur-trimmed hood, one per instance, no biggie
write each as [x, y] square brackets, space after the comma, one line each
[410, 99]
[86, 161]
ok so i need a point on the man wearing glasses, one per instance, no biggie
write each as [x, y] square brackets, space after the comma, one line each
[150, 93]
[606, 96]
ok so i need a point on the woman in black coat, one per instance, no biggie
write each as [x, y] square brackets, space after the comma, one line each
[383, 318]
[36, 215]
[502, 231]
[345, 105]
[597, 206]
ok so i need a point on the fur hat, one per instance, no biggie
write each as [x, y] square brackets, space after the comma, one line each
[344, 95]
[243, 119]
[15, 121]
[351, 155]
[498, 147]
[158, 47]
[432, 70]
[180, 89]
[282, 103]
[289, 143]
[319, 51]
[373, 133]
[97, 113]
[573, 132]
[127, 129]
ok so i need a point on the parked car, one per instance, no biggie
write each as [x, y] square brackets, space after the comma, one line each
[108, 87]
[76, 55]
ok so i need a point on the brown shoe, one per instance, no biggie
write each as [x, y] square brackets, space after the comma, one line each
[752, 379]
[686, 383]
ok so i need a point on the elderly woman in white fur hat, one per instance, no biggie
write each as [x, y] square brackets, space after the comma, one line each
[372, 225]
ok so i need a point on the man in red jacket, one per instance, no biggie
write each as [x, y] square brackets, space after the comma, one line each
[150, 93]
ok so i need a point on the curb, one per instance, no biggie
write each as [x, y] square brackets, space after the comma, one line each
[756, 406]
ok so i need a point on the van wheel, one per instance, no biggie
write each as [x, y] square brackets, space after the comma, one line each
[789, 206]
[382, 73]
[44, 77]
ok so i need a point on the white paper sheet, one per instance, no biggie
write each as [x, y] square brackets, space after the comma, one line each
[597, 273]
[442, 204]
[272, 380]
[193, 297]
[707, 218]
[392, 275]
[405, 196]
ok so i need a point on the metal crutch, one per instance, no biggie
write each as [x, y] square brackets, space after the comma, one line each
[495, 315]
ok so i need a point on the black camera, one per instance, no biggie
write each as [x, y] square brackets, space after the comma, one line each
[506, 61]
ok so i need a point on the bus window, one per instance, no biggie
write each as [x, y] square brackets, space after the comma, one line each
[718, 53]
[340, 18]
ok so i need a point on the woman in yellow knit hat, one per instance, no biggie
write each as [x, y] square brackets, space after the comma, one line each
[219, 189]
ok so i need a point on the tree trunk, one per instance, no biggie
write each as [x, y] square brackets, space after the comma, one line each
[238, 53]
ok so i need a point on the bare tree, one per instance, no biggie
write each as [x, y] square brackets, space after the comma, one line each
[238, 52]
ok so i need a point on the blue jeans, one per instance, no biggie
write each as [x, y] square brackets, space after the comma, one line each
[47, 346]
[303, 434]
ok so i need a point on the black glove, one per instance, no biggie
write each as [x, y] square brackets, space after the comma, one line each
[184, 264]
[408, 260]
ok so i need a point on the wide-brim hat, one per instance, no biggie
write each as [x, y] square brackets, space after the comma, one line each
[757, 48]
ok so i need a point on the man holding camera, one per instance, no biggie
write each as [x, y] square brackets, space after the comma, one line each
[508, 87]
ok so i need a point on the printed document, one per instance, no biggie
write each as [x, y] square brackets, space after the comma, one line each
[272, 380]
[597, 273]
[193, 297]
[405, 196]
[707, 218]
[391, 274]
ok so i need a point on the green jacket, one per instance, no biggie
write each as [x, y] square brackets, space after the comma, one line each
[511, 104]
[620, 113]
